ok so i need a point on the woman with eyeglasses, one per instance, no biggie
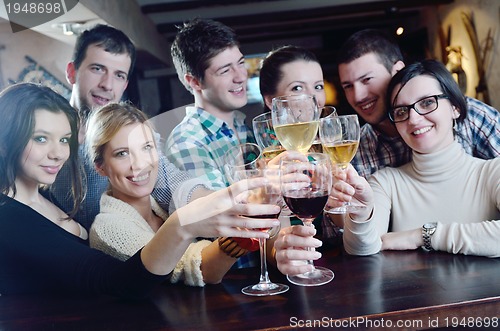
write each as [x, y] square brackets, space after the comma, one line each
[444, 199]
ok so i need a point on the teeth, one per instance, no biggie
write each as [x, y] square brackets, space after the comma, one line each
[423, 130]
[138, 179]
[368, 106]
[237, 90]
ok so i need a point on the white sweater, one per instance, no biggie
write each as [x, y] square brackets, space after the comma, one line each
[120, 231]
[460, 192]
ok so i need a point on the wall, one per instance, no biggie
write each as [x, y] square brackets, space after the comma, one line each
[486, 14]
[53, 55]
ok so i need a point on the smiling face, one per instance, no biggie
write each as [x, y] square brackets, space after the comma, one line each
[224, 85]
[300, 77]
[365, 81]
[425, 133]
[47, 150]
[130, 161]
[101, 78]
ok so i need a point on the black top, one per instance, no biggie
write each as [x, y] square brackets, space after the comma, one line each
[38, 256]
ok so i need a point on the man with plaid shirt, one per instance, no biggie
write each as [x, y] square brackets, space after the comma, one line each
[210, 65]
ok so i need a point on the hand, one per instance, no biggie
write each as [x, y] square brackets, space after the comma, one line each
[402, 240]
[348, 186]
[286, 155]
[218, 214]
[291, 249]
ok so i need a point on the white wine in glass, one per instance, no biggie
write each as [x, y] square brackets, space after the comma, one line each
[296, 121]
[339, 136]
[297, 136]
[324, 111]
[265, 136]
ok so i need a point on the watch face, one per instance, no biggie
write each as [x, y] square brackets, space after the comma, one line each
[430, 225]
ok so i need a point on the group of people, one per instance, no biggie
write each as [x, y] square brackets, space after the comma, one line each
[91, 170]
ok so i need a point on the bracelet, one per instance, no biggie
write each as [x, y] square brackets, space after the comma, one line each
[231, 248]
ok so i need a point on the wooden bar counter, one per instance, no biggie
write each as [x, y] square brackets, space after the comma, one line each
[391, 290]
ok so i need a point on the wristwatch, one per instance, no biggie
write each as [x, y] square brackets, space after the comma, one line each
[428, 230]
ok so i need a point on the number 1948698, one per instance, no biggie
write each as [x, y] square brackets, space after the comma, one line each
[33, 8]
[474, 322]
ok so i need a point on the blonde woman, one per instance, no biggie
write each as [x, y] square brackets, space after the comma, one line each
[122, 147]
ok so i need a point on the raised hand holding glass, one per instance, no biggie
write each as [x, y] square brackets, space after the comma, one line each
[305, 186]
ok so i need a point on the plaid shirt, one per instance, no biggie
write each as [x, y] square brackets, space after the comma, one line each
[198, 145]
[479, 134]
[169, 180]
[199, 142]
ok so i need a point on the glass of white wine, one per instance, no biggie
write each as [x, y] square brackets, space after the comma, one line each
[265, 136]
[295, 121]
[324, 111]
[340, 139]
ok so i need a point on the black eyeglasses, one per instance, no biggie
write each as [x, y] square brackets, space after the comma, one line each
[423, 106]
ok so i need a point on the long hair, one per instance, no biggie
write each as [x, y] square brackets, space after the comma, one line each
[271, 70]
[436, 70]
[18, 104]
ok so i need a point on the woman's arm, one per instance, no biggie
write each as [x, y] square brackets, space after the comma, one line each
[215, 215]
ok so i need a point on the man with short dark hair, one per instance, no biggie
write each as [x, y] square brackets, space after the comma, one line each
[99, 72]
[210, 65]
[366, 63]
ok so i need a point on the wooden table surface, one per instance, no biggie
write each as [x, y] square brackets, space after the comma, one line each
[390, 290]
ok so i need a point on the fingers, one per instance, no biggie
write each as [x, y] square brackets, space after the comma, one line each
[245, 185]
[287, 155]
[294, 269]
[292, 251]
[297, 236]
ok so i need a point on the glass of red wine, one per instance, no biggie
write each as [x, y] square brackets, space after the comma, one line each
[305, 186]
[268, 194]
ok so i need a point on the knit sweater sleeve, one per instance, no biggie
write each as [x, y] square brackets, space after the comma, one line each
[188, 269]
[119, 230]
[119, 238]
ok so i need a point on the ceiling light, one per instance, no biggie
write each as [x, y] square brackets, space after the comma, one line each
[67, 29]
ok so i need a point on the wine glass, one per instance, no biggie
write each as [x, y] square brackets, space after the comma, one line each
[269, 194]
[305, 186]
[295, 121]
[263, 131]
[324, 111]
[241, 157]
[340, 139]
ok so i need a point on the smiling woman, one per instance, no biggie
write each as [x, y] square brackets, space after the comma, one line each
[42, 250]
[122, 146]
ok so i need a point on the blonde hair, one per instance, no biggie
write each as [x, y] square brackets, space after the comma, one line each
[104, 123]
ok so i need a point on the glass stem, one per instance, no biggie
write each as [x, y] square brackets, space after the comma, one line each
[343, 168]
[264, 276]
[309, 222]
